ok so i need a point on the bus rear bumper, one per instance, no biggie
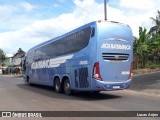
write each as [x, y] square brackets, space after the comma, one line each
[110, 86]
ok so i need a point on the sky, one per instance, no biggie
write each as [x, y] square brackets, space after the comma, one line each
[26, 23]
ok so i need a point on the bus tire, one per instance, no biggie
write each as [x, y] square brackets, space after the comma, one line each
[67, 87]
[57, 85]
[96, 92]
[28, 81]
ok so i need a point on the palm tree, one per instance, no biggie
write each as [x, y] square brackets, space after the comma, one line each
[156, 28]
[155, 46]
[137, 51]
[141, 47]
[154, 40]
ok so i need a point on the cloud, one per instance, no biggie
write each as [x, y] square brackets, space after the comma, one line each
[138, 13]
[86, 11]
[141, 5]
[16, 15]
[43, 30]
[26, 6]
[6, 11]
[55, 5]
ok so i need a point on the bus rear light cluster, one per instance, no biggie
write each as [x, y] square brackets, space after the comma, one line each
[96, 72]
[130, 74]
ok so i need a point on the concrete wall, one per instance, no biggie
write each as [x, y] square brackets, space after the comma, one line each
[146, 81]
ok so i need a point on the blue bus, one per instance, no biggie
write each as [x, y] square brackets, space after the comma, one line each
[94, 57]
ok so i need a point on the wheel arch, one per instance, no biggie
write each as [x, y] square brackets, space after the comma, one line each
[56, 76]
[62, 78]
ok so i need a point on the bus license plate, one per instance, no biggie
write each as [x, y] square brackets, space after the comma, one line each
[116, 87]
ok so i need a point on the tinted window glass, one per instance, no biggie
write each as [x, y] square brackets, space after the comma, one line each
[30, 57]
[69, 44]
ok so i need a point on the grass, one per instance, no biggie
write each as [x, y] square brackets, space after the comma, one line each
[150, 67]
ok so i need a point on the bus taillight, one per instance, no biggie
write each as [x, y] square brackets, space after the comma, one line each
[130, 74]
[96, 72]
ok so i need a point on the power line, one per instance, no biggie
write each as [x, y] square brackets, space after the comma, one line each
[29, 2]
[75, 5]
[42, 12]
[35, 8]
[81, 8]
[63, 5]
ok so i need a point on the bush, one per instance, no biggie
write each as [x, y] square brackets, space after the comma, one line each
[153, 65]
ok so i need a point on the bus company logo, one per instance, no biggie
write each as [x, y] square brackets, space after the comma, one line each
[55, 62]
[116, 57]
[116, 46]
[6, 114]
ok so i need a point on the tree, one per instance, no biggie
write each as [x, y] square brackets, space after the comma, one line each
[156, 28]
[154, 40]
[141, 48]
[2, 56]
[137, 50]
[155, 47]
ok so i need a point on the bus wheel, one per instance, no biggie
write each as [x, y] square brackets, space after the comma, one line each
[96, 92]
[57, 85]
[67, 87]
[28, 82]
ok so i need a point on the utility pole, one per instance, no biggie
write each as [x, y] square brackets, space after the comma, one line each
[105, 9]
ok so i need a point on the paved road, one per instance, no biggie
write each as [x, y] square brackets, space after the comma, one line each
[17, 96]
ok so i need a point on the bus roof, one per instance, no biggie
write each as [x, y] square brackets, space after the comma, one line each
[59, 37]
[68, 33]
